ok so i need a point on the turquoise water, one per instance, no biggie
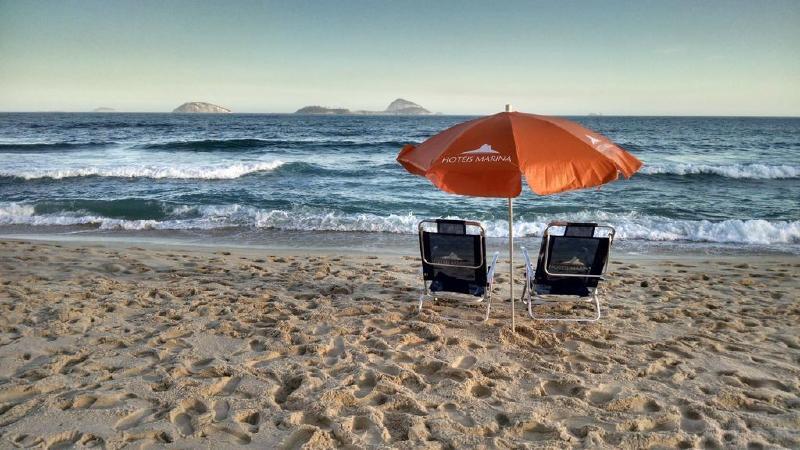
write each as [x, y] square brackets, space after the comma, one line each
[706, 181]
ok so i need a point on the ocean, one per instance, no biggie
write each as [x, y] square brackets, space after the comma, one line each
[708, 184]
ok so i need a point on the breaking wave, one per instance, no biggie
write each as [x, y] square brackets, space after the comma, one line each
[628, 226]
[208, 172]
[754, 171]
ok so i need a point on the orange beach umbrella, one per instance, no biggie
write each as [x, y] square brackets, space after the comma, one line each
[488, 156]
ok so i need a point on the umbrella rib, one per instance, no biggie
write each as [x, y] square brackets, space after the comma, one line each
[514, 141]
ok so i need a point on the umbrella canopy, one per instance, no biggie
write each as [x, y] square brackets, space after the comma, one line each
[487, 157]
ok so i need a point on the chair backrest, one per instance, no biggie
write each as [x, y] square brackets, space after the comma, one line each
[452, 260]
[577, 252]
[451, 226]
[579, 229]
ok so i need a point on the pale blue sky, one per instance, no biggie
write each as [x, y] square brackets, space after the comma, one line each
[550, 57]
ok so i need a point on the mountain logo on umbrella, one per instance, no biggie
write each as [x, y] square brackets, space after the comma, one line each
[593, 139]
[485, 149]
[602, 147]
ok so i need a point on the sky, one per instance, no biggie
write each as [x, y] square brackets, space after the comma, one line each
[635, 57]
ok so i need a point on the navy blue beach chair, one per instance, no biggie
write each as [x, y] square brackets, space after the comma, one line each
[454, 263]
[572, 260]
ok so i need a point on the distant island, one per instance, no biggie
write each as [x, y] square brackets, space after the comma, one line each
[399, 107]
[405, 108]
[322, 110]
[104, 109]
[200, 107]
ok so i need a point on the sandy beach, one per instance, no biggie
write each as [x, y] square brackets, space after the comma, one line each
[125, 346]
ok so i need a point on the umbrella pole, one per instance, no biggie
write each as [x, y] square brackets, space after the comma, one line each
[511, 263]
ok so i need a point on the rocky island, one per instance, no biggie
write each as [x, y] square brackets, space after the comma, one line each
[200, 107]
[402, 107]
[322, 110]
[104, 109]
[399, 107]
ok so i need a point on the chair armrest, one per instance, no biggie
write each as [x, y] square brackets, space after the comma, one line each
[575, 275]
[546, 262]
[490, 274]
[529, 269]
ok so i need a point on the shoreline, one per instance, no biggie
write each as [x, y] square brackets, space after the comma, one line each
[357, 242]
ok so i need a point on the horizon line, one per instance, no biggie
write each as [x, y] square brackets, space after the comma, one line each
[732, 116]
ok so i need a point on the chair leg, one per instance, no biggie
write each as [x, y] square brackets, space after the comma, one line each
[421, 299]
[525, 291]
[596, 305]
[488, 306]
[530, 307]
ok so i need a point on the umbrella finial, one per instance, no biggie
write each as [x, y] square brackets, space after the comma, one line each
[509, 108]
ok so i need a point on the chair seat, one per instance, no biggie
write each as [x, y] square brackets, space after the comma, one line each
[444, 283]
[562, 287]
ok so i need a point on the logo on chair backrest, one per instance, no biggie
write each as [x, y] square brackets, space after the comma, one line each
[484, 153]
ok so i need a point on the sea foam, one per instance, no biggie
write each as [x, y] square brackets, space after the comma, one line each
[206, 172]
[755, 171]
[628, 226]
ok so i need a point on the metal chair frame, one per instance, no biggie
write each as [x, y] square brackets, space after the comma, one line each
[487, 293]
[531, 298]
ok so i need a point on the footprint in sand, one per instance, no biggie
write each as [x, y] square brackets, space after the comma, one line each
[17, 394]
[603, 394]
[562, 387]
[693, 421]
[335, 352]
[464, 362]
[636, 404]
[764, 383]
[226, 386]
[368, 431]
[480, 391]
[64, 440]
[454, 413]
[183, 416]
[204, 368]
[257, 346]
[265, 361]
[233, 434]
[100, 401]
[26, 441]
[366, 383]
[300, 437]
[289, 385]
[249, 419]
[537, 432]
[65, 365]
[221, 409]
[133, 419]
[183, 422]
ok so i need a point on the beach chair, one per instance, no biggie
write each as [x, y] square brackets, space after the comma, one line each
[572, 260]
[454, 262]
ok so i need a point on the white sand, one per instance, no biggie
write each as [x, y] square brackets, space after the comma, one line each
[114, 346]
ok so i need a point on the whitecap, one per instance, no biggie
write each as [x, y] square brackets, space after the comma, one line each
[755, 171]
[208, 172]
